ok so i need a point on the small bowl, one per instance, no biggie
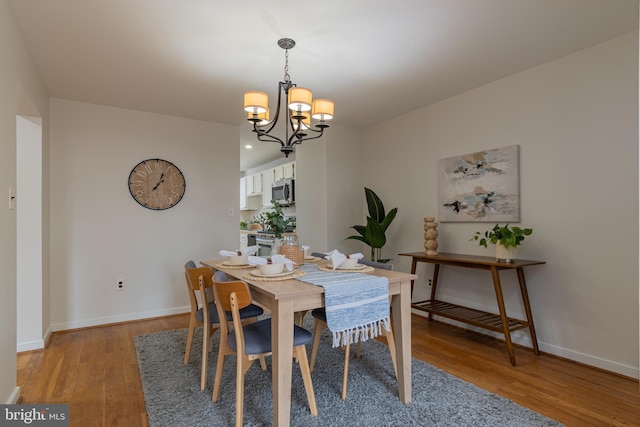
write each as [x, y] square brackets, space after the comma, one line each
[238, 260]
[268, 269]
[349, 263]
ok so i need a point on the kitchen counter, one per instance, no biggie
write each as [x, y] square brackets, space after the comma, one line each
[293, 233]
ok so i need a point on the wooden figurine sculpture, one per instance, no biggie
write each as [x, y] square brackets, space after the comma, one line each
[430, 236]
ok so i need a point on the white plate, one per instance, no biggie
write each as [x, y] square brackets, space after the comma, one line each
[357, 267]
[234, 265]
[257, 273]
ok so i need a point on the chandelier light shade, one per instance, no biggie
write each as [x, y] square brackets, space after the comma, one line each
[322, 109]
[256, 102]
[299, 109]
[300, 99]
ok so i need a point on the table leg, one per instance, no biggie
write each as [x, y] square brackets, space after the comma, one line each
[527, 309]
[503, 314]
[434, 284]
[282, 360]
[414, 263]
[401, 323]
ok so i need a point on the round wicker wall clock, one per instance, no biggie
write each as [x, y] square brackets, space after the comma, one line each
[156, 184]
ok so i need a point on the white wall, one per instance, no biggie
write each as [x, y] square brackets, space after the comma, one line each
[22, 94]
[29, 302]
[329, 192]
[576, 121]
[100, 234]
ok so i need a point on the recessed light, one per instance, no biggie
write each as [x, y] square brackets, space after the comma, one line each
[248, 147]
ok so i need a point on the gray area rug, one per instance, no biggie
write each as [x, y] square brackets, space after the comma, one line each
[173, 396]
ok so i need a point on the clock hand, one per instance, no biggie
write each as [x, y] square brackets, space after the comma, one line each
[159, 182]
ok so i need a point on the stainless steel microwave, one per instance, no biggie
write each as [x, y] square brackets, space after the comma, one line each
[283, 192]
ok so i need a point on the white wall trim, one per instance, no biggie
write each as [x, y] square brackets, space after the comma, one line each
[34, 345]
[14, 396]
[522, 338]
[120, 318]
[30, 345]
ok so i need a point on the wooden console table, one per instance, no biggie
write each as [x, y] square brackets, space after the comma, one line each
[497, 323]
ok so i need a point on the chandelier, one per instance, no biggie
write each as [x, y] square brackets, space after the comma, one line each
[300, 109]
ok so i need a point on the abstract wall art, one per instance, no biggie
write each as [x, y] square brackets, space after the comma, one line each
[480, 187]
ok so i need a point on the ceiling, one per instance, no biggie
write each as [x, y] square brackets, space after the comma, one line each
[375, 59]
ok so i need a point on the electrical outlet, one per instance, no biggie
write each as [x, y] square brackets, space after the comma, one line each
[120, 285]
[12, 199]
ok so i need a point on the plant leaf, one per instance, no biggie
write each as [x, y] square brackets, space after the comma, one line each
[389, 218]
[375, 234]
[374, 204]
[361, 229]
[362, 239]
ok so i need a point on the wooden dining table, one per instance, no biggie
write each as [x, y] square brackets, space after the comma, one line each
[286, 297]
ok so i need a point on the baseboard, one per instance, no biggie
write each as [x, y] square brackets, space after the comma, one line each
[14, 397]
[522, 338]
[30, 345]
[118, 319]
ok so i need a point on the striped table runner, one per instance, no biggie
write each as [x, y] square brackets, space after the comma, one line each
[356, 304]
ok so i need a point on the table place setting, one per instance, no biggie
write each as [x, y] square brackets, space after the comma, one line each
[278, 267]
[345, 263]
[237, 258]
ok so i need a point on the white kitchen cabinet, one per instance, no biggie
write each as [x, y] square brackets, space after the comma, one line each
[257, 183]
[243, 193]
[254, 184]
[248, 183]
[285, 171]
[289, 170]
[268, 178]
[247, 202]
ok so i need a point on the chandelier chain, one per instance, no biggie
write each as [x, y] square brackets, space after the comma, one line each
[287, 78]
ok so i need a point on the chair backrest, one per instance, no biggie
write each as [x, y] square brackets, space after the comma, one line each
[220, 276]
[231, 296]
[223, 290]
[382, 265]
[192, 273]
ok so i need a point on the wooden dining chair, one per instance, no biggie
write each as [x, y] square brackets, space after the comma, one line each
[205, 309]
[250, 342]
[320, 323]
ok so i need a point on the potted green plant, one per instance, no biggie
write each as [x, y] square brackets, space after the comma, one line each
[506, 239]
[373, 234]
[273, 220]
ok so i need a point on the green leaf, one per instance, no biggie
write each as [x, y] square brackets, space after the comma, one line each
[389, 218]
[374, 204]
[375, 234]
[362, 239]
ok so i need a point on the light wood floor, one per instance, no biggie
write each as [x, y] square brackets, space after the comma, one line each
[95, 371]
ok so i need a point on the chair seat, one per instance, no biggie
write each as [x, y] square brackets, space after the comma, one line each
[320, 314]
[257, 337]
[251, 310]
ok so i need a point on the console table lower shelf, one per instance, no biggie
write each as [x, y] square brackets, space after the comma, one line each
[468, 315]
[500, 323]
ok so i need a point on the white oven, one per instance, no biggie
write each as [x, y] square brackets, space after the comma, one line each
[265, 241]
